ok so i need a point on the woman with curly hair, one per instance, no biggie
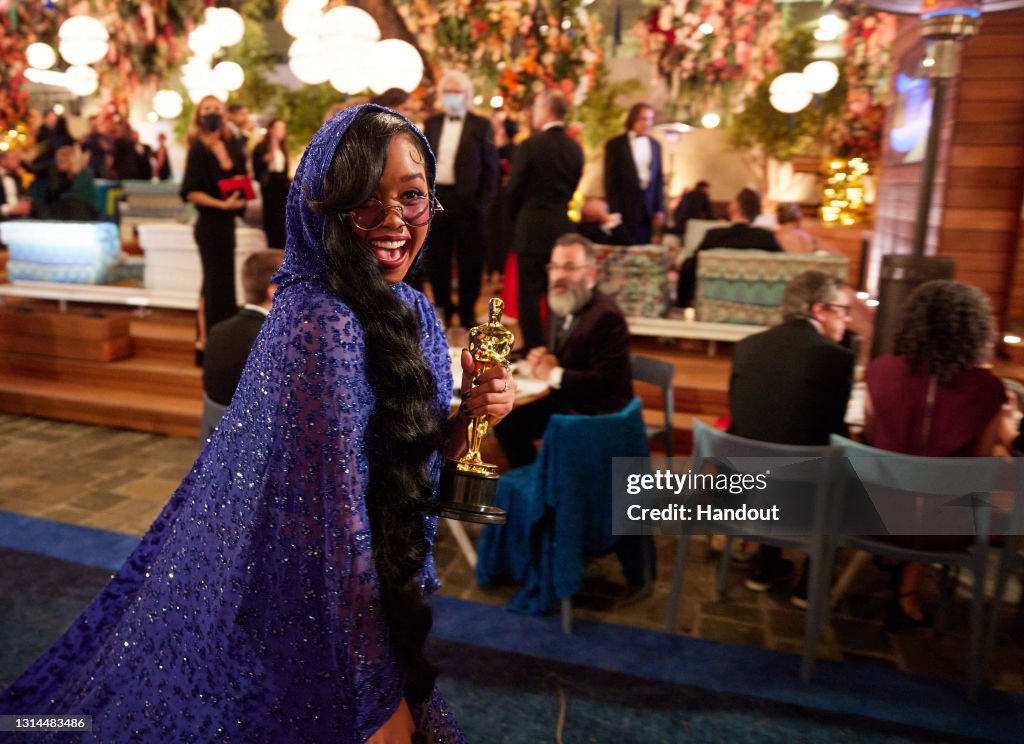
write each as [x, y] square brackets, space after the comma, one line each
[931, 397]
[283, 593]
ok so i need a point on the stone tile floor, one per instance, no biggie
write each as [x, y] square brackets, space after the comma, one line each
[118, 480]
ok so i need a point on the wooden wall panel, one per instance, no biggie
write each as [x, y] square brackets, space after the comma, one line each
[1015, 311]
[976, 210]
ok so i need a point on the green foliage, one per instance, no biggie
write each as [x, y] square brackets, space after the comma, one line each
[253, 53]
[600, 113]
[304, 110]
[775, 134]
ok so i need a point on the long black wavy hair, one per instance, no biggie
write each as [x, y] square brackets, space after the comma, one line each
[404, 431]
[945, 328]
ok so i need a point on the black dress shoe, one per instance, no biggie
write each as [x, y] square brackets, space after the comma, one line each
[766, 573]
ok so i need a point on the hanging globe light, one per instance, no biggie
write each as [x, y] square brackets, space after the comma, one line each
[789, 93]
[350, 78]
[307, 62]
[397, 65]
[83, 40]
[196, 73]
[40, 56]
[81, 80]
[349, 21]
[227, 26]
[203, 41]
[302, 17]
[229, 75]
[821, 76]
[167, 104]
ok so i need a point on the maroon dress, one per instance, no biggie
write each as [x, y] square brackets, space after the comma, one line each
[961, 412]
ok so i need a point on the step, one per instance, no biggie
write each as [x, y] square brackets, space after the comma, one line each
[87, 336]
[141, 374]
[106, 406]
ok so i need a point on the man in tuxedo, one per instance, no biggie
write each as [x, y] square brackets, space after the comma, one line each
[743, 210]
[810, 376]
[14, 202]
[240, 127]
[230, 341]
[586, 363]
[695, 204]
[633, 183]
[467, 180]
[545, 171]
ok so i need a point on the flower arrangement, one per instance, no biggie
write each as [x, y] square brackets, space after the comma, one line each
[856, 131]
[20, 25]
[149, 38]
[712, 53]
[510, 48]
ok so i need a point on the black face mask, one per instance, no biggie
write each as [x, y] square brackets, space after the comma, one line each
[211, 122]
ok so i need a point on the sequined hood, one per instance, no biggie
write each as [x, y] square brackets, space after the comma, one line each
[305, 255]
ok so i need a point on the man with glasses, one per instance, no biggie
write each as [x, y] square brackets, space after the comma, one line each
[586, 359]
[790, 385]
[586, 363]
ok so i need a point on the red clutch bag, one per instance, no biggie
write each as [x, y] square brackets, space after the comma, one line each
[236, 183]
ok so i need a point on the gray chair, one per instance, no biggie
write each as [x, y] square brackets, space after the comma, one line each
[660, 373]
[1012, 560]
[213, 412]
[813, 470]
[914, 495]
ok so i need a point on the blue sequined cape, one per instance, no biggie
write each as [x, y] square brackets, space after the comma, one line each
[250, 612]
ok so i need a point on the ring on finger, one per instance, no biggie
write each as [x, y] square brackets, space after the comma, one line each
[505, 389]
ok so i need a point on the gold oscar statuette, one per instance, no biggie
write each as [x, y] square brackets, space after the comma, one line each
[468, 485]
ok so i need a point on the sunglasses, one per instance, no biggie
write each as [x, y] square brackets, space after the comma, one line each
[414, 212]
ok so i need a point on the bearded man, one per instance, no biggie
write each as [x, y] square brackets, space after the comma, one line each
[586, 361]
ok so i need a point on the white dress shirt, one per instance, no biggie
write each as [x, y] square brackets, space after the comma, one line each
[447, 149]
[641, 147]
[11, 197]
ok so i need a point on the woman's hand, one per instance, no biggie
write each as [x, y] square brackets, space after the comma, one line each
[495, 394]
[396, 730]
[234, 201]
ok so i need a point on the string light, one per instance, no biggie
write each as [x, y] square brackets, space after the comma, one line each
[844, 191]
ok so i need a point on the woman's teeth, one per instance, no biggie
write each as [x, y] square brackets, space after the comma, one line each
[388, 250]
[388, 245]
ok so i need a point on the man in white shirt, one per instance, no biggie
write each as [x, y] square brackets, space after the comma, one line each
[633, 182]
[467, 180]
[13, 201]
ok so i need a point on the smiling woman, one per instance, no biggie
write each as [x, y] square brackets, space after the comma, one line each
[283, 593]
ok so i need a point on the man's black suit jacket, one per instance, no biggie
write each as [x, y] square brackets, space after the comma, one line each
[738, 235]
[546, 169]
[694, 205]
[594, 352]
[227, 350]
[622, 188]
[476, 159]
[790, 385]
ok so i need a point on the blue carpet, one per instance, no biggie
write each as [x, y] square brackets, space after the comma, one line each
[509, 677]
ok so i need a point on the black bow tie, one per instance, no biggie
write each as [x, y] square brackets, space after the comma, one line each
[454, 118]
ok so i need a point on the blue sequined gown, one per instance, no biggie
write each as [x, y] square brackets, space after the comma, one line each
[250, 612]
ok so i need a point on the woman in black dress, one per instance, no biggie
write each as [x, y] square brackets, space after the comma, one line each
[209, 162]
[270, 166]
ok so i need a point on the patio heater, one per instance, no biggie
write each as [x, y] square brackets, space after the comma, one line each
[945, 24]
